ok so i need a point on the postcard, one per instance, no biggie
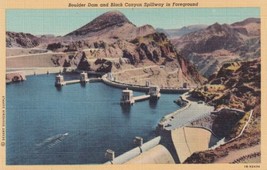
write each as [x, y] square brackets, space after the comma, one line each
[133, 84]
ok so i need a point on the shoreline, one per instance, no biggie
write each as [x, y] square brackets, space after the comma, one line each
[31, 71]
[168, 116]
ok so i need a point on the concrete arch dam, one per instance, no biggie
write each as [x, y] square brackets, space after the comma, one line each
[151, 152]
[188, 140]
[185, 141]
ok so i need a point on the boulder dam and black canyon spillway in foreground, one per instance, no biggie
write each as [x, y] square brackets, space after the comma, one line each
[194, 79]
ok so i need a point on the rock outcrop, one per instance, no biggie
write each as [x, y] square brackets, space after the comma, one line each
[111, 26]
[154, 48]
[176, 33]
[236, 85]
[209, 48]
[112, 35]
[105, 21]
[24, 40]
[15, 77]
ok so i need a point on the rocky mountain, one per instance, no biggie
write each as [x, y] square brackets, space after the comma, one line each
[111, 42]
[152, 49]
[176, 33]
[249, 26]
[112, 35]
[104, 21]
[110, 26]
[24, 40]
[209, 48]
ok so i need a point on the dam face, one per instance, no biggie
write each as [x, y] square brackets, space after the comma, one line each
[188, 140]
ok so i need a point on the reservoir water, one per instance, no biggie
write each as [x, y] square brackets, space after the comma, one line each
[77, 124]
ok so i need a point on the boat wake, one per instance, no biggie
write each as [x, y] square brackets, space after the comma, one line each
[52, 141]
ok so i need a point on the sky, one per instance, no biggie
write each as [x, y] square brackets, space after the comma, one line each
[63, 21]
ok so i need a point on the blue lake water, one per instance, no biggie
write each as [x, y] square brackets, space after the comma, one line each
[77, 124]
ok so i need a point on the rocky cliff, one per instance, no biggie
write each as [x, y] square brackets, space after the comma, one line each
[112, 36]
[110, 26]
[103, 22]
[209, 48]
[236, 85]
[176, 33]
[15, 77]
[24, 40]
[152, 49]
